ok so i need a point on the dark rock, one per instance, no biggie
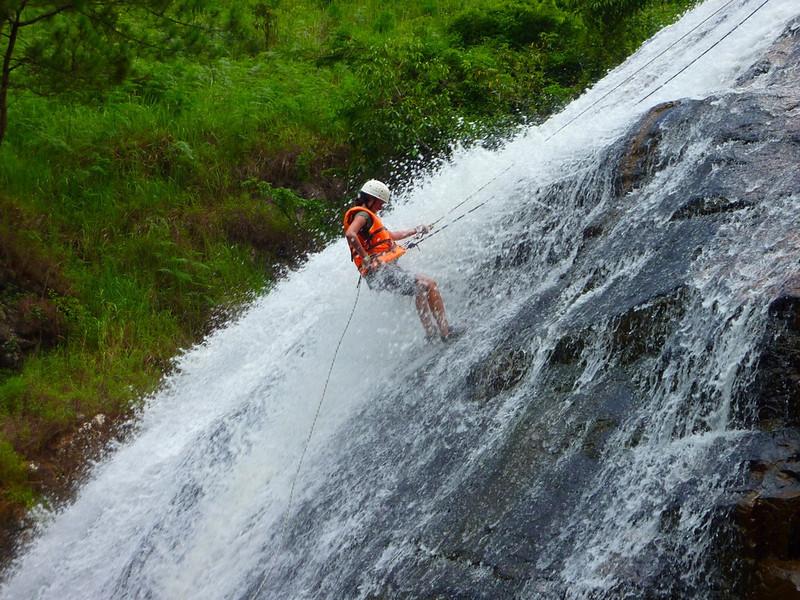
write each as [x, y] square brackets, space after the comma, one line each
[592, 231]
[698, 207]
[773, 399]
[640, 159]
[642, 330]
[501, 371]
[568, 350]
[767, 519]
[596, 435]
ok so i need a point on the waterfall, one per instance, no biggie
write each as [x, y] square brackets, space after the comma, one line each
[578, 441]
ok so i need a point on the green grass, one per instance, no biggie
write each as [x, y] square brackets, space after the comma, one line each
[152, 203]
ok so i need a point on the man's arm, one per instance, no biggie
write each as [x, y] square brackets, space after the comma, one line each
[405, 233]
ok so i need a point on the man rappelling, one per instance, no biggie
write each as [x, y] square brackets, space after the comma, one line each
[375, 252]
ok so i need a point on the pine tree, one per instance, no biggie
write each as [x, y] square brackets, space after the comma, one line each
[56, 45]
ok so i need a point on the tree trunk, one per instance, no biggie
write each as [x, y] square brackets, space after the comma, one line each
[6, 77]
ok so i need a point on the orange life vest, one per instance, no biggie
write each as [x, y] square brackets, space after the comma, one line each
[377, 241]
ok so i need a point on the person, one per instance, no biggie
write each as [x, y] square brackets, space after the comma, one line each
[375, 252]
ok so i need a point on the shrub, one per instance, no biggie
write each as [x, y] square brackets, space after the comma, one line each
[514, 22]
[12, 467]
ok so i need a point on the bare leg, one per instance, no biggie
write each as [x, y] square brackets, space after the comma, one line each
[424, 312]
[429, 296]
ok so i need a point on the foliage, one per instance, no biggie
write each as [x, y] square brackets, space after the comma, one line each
[13, 474]
[606, 10]
[60, 45]
[515, 23]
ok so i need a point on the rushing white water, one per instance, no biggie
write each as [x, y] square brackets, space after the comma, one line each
[194, 505]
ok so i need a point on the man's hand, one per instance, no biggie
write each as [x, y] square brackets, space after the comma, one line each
[423, 229]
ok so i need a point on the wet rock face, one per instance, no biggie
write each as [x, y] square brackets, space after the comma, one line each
[641, 157]
[767, 519]
[755, 138]
[775, 393]
[767, 514]
[643, 329]
[780, 64]
[501, 371]
[578, 365]
[704, 206]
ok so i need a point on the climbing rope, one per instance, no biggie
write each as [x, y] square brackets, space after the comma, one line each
[429, 235]
[475, 193]
[639, 70]
[418, 241]
[709, 49]
[311, 431]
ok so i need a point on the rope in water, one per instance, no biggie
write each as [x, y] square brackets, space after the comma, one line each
[593, 105]
[313, 426]
[709, 49]
[639, 70]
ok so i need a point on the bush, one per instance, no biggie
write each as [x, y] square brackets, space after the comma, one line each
[515, 23]
[13, 475]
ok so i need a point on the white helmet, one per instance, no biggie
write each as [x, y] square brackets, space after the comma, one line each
[376, 189]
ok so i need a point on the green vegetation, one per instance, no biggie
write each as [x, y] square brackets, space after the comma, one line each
[166, 160]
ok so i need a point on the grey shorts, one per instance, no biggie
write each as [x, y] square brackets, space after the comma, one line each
[391, 277]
